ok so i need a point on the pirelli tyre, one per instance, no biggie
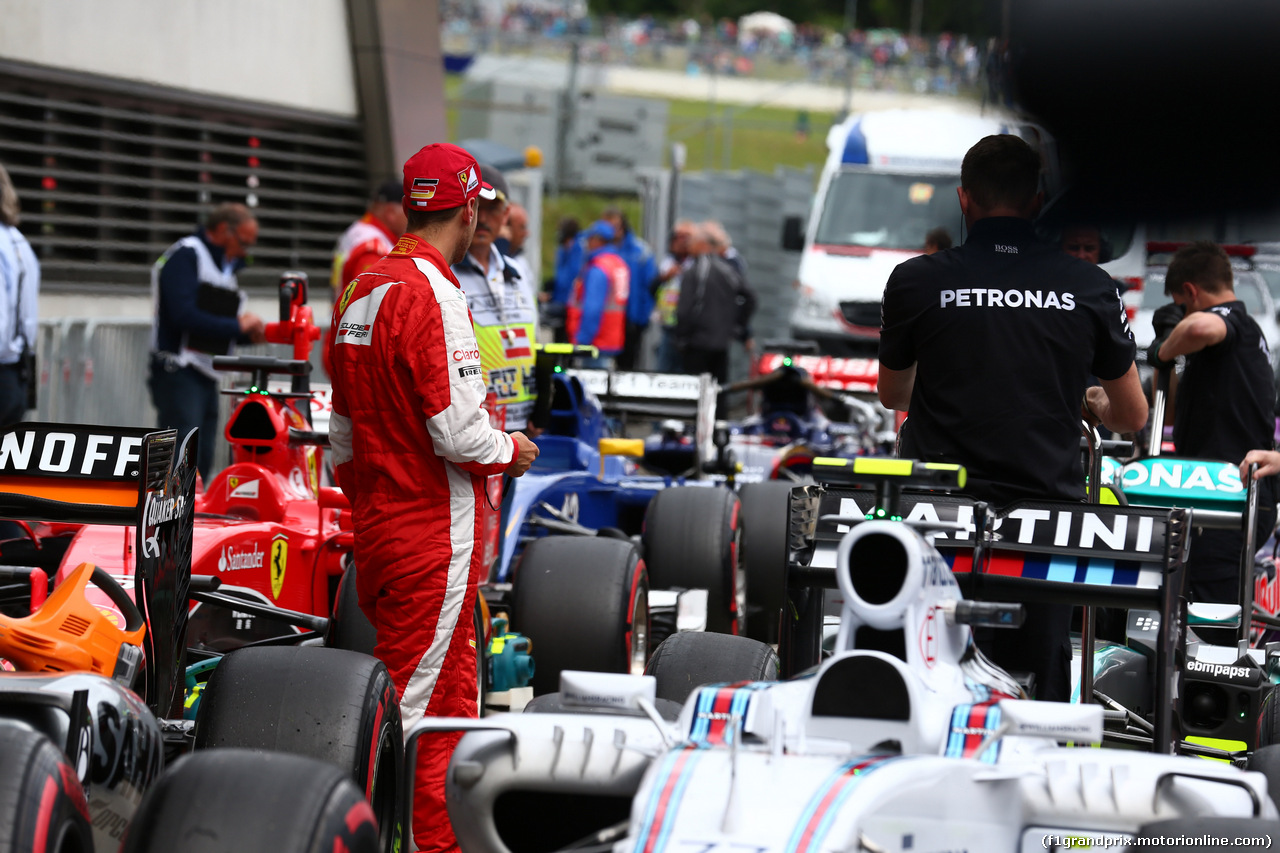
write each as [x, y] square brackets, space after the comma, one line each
[253, 802]
[691, 542]
[330, 704]
[689, 660]
[349, 628]
[763, 556]
[42, 806]
[583, 602]
[1269, 719]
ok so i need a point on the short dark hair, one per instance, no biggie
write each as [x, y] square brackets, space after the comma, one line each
[1202, 263]
[389, 190]
[568, 229]
[232, 213]
[1001, 171]
[419, 219]
[612, 211]
[939, 237]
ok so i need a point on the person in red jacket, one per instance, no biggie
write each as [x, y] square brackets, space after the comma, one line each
[412, 447]
[370, 237]
[597, 313]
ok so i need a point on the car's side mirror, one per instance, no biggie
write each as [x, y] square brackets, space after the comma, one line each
[793, 233]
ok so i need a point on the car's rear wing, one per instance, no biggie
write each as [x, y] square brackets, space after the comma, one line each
[126, 476]
[856, 375]
[624, 393]
[1031, 551]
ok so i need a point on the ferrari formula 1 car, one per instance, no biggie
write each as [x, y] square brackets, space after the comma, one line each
[904, 739]
[95, 686]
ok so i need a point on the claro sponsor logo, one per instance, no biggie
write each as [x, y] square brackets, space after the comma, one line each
[466, 354]
[1219, 669]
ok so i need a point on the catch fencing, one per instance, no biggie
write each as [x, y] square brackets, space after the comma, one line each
[94, 371]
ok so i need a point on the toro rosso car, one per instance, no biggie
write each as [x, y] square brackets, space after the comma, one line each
[94, 685]
[904, 739]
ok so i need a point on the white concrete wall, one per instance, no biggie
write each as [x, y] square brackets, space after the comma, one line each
[290, 52]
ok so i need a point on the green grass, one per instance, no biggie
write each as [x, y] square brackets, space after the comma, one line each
[721, 137]
[717, 137]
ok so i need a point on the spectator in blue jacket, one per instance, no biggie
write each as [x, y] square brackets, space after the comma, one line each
[644, 269]
[597, 312]
[558, 290]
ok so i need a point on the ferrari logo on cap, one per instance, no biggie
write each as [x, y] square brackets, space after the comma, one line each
[279, 561]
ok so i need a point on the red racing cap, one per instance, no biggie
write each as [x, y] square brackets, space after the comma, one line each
[441, 176]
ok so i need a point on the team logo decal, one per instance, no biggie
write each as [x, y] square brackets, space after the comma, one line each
[464, 178]
[279, 561]
[422, 190]
[404, 246]
[348, 293]
[238, 487]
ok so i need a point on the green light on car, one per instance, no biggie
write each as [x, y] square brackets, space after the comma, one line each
[786, 361]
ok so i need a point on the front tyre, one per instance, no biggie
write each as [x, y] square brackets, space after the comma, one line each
[583, 603]
[330, 704]
[691, 538]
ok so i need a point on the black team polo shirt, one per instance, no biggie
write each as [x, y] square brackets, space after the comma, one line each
[1005, 332]
[1226, 394]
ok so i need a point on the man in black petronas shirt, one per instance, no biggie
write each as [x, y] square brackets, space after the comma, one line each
[989, 346]
[1224, 400]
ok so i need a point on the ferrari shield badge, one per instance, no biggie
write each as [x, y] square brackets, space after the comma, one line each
[279, 560]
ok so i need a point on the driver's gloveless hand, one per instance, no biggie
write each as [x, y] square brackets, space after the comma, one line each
[526, 452]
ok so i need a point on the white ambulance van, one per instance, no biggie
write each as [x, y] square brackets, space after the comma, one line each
[890, 177]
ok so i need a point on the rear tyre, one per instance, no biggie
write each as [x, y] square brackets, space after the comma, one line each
[765, 509]
[1269, 719]
[252, 802]
[42, 806]
[691, 542]
[334, 705]
[686, 661]
[349, 628]
[584, 604]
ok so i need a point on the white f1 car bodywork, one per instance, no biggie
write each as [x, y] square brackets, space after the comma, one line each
[927, 749]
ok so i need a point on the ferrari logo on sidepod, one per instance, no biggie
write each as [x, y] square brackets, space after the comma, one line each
[279, 560]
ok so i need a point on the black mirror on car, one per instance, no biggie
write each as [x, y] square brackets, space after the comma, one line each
[793, 233]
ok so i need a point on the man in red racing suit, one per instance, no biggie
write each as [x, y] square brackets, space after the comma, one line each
[412, 448]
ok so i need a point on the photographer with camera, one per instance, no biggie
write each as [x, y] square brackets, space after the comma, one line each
[20, 273]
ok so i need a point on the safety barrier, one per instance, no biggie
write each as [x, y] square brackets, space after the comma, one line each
[94, 371]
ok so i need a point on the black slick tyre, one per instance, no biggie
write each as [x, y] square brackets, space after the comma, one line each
[764, 514]
[583, 602]
[42, 806]
[686, 661]
[691, 542]
[252, 802]
[329, 704]
[349, 628]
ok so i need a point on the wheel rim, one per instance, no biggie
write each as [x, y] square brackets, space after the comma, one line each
[638, 654]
